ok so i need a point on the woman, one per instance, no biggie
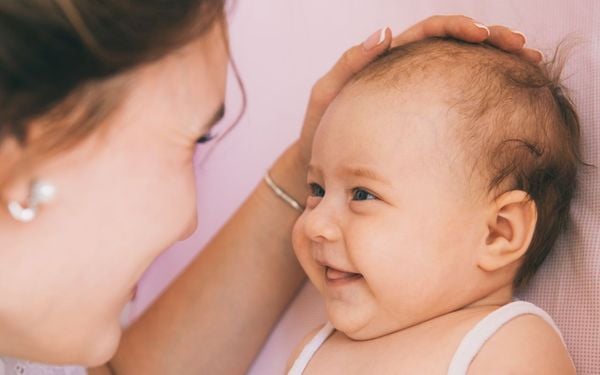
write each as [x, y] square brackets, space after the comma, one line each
[102, 106]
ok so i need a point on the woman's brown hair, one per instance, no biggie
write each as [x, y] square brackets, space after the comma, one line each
[63, 59]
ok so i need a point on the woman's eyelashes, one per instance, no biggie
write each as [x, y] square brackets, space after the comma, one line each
[205, 138]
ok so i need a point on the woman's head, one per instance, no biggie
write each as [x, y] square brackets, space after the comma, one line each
[106, 101]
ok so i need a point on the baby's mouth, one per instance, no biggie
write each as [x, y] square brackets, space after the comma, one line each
[337, 276]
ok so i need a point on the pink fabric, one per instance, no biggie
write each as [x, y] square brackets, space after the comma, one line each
[282, 47]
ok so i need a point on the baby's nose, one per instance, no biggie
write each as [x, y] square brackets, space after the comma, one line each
[321, 225]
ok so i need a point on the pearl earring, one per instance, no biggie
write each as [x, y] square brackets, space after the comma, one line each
[41, 192]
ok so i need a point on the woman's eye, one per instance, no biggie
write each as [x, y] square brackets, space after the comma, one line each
[205, 138]
[315, 190]
[362, 195]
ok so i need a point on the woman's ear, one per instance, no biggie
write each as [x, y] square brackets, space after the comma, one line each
[511, 224]
[11, 187]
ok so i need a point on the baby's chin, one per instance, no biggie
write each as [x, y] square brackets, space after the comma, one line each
[363, 328]
[365, 333]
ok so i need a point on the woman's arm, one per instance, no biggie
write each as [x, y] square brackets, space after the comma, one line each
[216, 316]
[218, 313]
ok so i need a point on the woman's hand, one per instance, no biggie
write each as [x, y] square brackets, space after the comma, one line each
[359, 56]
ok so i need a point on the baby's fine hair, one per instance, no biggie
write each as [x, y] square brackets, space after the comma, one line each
[516, 122]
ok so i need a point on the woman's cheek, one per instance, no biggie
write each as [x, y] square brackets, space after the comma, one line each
[179, 203]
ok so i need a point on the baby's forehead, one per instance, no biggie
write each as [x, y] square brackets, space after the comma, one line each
[406, 139]
[409, 112]
[426, 78]
[398, 109]
[392, 127]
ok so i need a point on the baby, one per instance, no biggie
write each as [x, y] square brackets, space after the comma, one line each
[439, 181]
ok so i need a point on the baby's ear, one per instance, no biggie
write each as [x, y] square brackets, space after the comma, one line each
[511, 224]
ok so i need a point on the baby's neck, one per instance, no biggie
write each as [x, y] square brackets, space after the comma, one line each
[498, 297]
[480, 306]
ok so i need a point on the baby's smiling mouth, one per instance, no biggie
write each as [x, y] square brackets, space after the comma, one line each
[339, 277]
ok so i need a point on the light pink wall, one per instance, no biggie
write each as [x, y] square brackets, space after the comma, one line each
[281, 48]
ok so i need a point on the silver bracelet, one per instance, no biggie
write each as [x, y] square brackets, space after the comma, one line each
[282, 194]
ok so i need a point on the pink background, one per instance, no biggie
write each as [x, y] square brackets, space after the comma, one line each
[282, 47]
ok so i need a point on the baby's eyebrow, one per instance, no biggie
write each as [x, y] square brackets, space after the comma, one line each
[365, 172]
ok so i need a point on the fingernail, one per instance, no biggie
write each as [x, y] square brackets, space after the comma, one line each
[522, 36]
[482, 26]
[375, 39]
[542, 56]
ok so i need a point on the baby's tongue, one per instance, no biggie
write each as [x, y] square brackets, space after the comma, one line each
[334, 274]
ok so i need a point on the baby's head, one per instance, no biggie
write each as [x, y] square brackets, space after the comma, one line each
[440, 178]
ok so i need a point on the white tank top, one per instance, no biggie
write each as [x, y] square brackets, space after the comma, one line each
[468, 348]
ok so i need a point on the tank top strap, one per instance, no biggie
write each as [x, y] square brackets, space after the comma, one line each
[474, 340]
[310, 349]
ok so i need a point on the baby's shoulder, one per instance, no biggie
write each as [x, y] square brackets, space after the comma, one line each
[526, 344]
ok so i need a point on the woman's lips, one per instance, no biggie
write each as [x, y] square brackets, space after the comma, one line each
[338, 277]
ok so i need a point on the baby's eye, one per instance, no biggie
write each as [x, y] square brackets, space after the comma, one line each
[315, 190]
[359, 194]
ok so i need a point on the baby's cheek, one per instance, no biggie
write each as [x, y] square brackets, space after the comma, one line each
[297, 234]
[301, 243]
[393, 268]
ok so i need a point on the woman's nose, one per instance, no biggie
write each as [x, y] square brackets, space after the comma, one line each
[321, 224]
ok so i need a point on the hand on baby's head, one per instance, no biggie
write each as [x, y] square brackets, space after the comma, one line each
[440, 178]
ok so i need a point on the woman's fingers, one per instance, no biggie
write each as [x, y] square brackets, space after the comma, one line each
[469, 30]
[531, 54]
[351, 62]
[459, 27]
[512, 41]
[326, 88]
[506, 39]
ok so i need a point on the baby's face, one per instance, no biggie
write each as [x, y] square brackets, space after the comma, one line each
[392, 224]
